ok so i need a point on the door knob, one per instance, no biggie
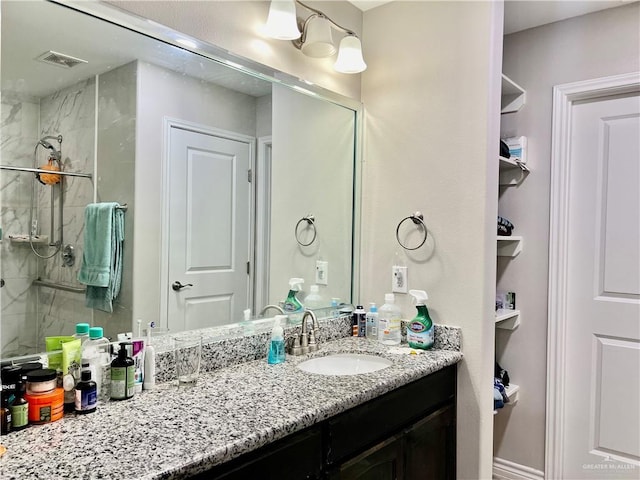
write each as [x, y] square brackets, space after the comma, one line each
[177, 286]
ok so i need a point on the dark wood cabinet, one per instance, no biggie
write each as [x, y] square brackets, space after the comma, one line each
[406, 434]
[381, 462]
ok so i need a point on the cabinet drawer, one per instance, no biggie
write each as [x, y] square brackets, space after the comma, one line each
[363, 426]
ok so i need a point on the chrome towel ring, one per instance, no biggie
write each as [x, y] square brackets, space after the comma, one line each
[418, 219]
[311, 223]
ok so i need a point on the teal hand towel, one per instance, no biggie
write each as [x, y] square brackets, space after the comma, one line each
[101, 268]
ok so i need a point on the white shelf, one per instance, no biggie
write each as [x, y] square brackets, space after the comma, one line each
[513, 96]
[507, 319]
[513, 393]
[24, 238]
[509, 246]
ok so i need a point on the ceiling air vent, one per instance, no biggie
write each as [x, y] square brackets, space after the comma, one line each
[60, 59]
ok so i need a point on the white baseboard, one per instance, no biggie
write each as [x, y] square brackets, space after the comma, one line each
[506, 470]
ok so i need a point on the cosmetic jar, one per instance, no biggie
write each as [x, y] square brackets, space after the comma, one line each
[25, 368]
[46, 407]
[41, 381]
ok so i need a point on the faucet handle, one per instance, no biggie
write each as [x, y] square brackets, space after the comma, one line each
[296, 350]
[313, 346]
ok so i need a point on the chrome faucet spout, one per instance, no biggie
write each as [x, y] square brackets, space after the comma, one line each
[274, 307]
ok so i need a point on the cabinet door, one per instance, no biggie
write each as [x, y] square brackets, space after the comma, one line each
[429, 447]
[381, 462]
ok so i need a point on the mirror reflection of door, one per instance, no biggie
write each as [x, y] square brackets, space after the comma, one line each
[209, 229]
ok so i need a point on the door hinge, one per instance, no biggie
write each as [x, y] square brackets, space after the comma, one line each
[249, 175]
[248, 267]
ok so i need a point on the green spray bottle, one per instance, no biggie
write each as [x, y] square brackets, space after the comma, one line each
[420, 329]
[292, 306]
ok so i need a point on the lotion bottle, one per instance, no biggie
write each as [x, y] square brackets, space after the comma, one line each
[420, 329]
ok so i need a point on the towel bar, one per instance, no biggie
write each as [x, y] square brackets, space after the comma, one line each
[58, 286]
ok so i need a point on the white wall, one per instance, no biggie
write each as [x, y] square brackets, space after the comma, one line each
[238, 27]
[596, 45]
[312, 173]
[157, 98]
[431, 85]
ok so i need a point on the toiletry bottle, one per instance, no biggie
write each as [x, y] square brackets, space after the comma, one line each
[292, 306]
[82, 332]
[389, 321]
[314, 300]
[335, 310]
[276, 344]
[371, 331]
[96, 352]
[122, 375]
[19, 408]
[86, 392]
[358, 319]
[420, 329]
[5, 414]
[248, 328]
[149, 362]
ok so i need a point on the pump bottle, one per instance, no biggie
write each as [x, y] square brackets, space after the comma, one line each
[122, 375]
[276, 345]
[420, 329]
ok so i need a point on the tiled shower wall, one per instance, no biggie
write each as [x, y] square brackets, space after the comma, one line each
[30, 313]
[18, 266]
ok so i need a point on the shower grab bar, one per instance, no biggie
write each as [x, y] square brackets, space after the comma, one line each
[58, 286]
[38, 170]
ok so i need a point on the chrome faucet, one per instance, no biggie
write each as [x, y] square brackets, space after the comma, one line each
[274, 307]
[307, 341]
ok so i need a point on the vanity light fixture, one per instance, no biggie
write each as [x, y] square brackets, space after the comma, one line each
[313, 35]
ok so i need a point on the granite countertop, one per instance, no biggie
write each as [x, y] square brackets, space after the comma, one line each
[172, 431]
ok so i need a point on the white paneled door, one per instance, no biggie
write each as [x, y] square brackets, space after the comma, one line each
[209, 229]
[600, 374]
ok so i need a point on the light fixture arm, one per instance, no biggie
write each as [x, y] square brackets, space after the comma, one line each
[321, 14]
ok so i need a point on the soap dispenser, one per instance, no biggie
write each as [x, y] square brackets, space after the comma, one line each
[420, 329]
[122, 374]
[276, 345]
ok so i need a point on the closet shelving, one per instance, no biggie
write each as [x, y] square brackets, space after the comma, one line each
[512, 172]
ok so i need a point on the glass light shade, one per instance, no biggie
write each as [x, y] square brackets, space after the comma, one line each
[318, 41]
[350, 56]
[282, 23]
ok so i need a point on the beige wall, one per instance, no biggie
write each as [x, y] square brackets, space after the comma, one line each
[429, 147]
[237, 27]
[596, 45]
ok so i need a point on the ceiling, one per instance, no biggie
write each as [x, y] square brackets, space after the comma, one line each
[521, 15]
[26, 35]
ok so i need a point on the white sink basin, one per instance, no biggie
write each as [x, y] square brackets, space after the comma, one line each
[344, 364]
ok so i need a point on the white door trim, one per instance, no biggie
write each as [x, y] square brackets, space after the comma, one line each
[564, 97]
[262, 178]
[168, 124]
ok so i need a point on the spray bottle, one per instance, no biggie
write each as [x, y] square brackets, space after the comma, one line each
[420, 329]
[292, 305]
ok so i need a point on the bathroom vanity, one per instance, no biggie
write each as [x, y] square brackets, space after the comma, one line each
[408, 433]
[254, 420]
